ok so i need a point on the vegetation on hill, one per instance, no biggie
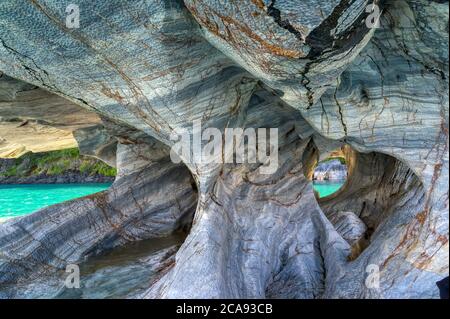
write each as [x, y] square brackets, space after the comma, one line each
[57, 163]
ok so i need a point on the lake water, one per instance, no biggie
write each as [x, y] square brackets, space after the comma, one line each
[121, 272]
[17, 200]
[326, 188]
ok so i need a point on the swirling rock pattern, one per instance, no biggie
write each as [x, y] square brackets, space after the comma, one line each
[316, 72]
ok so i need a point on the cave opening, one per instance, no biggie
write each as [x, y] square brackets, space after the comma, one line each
[34, 181]
[330, 174]
[378, 189]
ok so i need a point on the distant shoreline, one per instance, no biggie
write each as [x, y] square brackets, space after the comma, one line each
[68, 177]
[66, 166]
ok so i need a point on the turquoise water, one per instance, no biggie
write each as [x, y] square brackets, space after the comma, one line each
[326, 188]
[17, 200]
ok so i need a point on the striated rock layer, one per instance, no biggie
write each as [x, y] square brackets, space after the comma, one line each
[324, 77]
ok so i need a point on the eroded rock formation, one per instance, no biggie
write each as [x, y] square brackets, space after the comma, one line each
[32, 119]
[322, 77]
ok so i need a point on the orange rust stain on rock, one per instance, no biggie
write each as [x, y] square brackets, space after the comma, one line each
[259, 4]
[268, 46]
[113, 94]
[423, 261]
[421, 217]
[409, 239]
[442, 239]
[228, 21]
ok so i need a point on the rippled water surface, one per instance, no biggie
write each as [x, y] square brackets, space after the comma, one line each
[17, 200]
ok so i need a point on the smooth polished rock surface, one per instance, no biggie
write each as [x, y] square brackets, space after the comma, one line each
[348, 225]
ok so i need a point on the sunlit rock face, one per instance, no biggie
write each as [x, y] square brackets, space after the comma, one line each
[34, 120]
[315, 71]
